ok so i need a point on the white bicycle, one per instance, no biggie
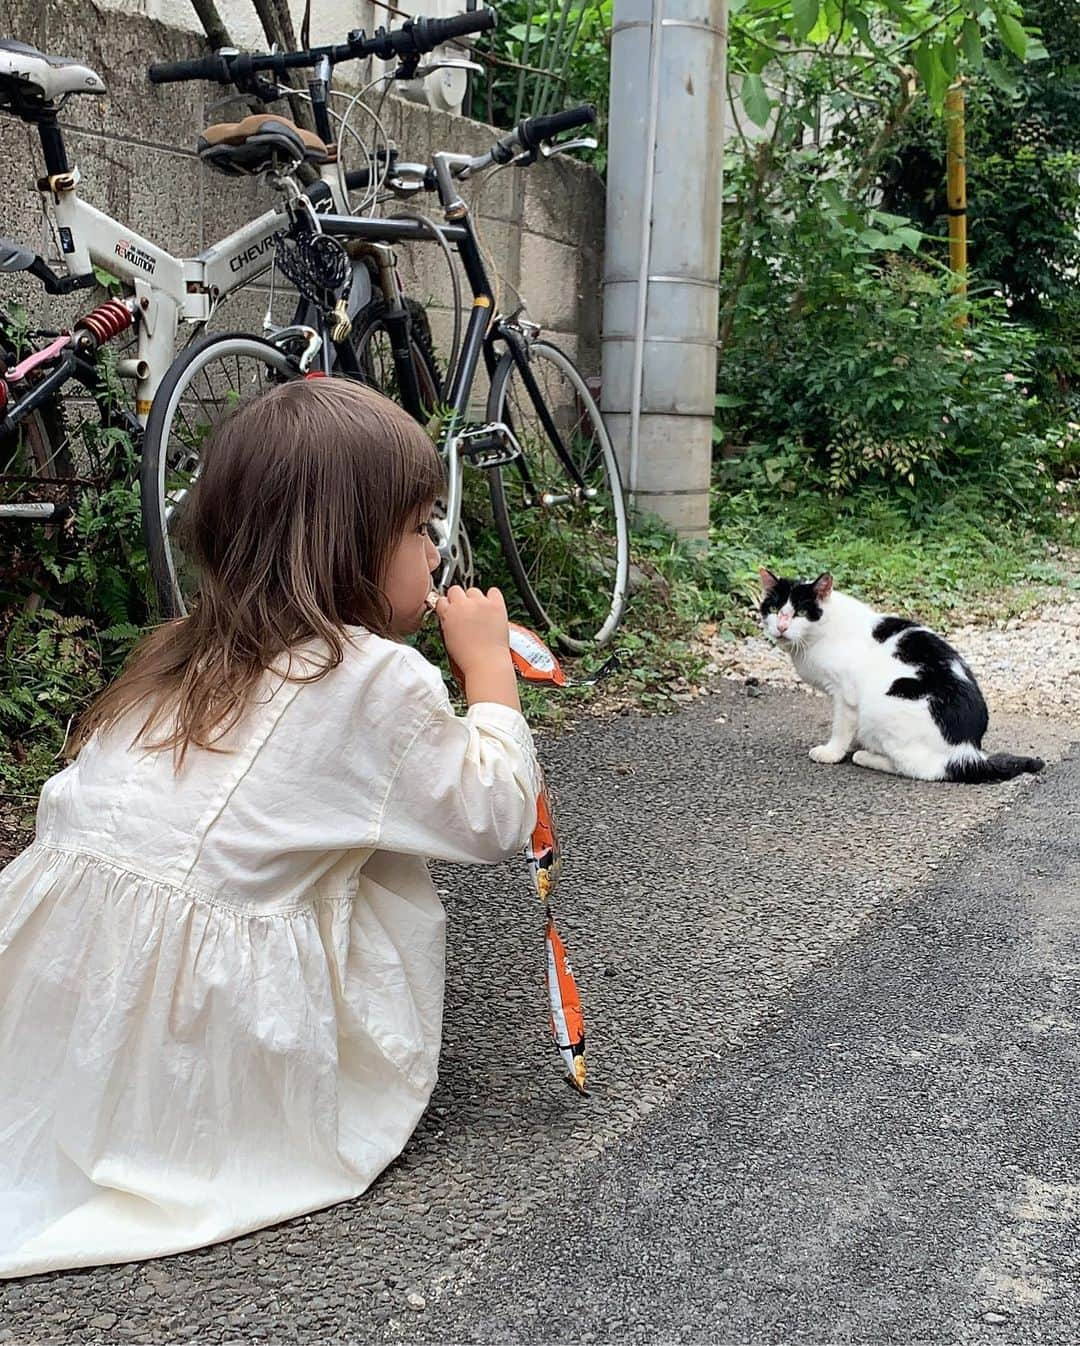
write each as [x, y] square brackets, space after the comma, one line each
[160, 291]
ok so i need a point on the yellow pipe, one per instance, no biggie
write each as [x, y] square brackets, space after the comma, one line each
[956, 189]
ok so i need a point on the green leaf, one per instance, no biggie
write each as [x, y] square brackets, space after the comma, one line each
[821, 32]
[1036, 51]
[874, 238]
[927, 60]
[1013, 35]
[892, 221]
[861, 23]
[971, 40]
[1004, 78]
[730, 400]
[909, 237]
[805, 13]
[833, 197]
[757, 102]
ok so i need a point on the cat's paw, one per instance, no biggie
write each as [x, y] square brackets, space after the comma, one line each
[827, 754]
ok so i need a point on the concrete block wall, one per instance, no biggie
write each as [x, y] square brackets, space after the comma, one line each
[543, 226]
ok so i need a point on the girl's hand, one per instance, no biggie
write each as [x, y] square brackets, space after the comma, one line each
[476, 632]
[474, 626]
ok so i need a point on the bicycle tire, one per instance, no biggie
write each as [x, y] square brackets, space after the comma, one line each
[49, 454]
[584, 548]
[36, 449]
[369, 322]
[34, 462]
[161, 504]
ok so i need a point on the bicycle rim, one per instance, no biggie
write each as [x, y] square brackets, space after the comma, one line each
[204, 385]
[570, 557]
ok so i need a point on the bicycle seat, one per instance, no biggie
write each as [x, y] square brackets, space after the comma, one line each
[260, 142]
[29, 76]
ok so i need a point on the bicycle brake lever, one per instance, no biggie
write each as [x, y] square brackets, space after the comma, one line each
[548, 148]
[423, 71]
[268, 91]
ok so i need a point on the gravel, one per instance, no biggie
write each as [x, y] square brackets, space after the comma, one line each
[710, 866]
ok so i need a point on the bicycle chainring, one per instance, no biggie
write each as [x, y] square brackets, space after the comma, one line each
[317, 265]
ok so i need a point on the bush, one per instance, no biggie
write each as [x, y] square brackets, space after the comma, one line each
[1023, 176]
[846, 366]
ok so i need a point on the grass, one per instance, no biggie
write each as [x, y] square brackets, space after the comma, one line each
[962, 562]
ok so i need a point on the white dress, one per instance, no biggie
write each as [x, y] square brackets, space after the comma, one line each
[221, 990]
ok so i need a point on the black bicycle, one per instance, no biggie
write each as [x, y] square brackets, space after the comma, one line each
[553, 478]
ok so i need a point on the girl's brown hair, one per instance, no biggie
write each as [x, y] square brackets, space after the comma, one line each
[302, 495]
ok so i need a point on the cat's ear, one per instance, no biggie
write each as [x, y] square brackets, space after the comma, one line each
[768, 580]
[823, 587]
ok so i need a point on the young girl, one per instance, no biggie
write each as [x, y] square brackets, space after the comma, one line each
[222, 958]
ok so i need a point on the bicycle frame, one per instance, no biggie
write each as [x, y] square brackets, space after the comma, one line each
[168, 289]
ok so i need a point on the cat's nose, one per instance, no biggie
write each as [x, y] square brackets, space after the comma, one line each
[783, 621]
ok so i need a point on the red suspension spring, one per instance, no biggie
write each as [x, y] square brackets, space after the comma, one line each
[107, 320]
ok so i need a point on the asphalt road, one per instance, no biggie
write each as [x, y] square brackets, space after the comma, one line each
[899, 1162]
[731, 910]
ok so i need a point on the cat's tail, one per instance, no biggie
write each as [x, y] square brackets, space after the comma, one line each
[978, 768]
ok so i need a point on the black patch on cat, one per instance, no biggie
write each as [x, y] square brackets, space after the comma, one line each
[802, 596]
[891, 626]
[998, 767]
[910, 689]
[956, 704]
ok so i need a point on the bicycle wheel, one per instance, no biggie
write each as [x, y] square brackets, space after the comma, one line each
[35, 469]
[375, 357]
[569, 554]
[209, 378]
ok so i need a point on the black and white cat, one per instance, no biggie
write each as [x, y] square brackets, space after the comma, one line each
[899, 691]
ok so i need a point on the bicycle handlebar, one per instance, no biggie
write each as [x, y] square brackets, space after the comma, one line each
[414, 38]
[531, 132]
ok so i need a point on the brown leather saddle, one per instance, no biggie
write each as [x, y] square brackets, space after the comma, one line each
[260, 143]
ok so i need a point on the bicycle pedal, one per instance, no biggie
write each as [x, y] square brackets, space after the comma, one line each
[489, 446]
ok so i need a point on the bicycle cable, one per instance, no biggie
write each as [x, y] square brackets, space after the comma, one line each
[370, 157]
[375, 178]
[489, 257]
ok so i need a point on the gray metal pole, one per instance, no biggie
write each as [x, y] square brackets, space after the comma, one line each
[662, 252]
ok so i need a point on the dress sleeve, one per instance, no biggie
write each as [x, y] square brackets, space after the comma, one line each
[465, 788]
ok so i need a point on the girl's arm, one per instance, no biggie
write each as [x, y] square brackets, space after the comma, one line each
[466, 787]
